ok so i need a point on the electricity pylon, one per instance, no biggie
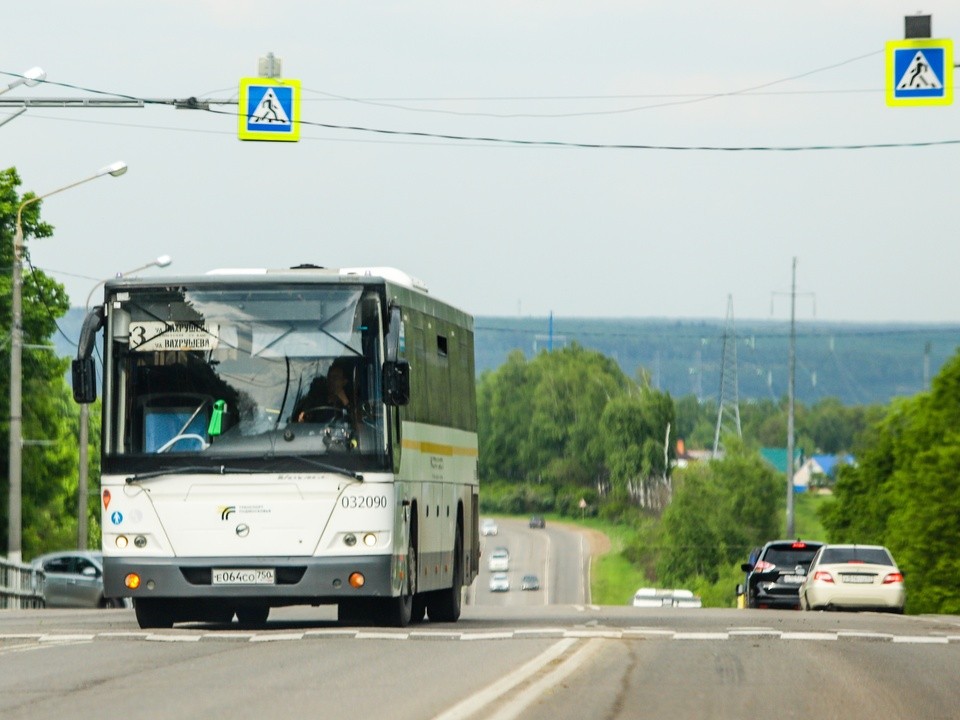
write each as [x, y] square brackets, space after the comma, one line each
[728, 411]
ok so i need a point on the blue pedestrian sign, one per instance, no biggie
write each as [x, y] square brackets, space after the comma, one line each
[919, 72]
[269, 109]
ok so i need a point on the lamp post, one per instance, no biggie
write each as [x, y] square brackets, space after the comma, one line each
[14, 527]
[82, 477]
[29, 78]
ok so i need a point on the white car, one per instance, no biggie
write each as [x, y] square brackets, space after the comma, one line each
[860, 577]
[499, 582]
[489, 527]
[499, 560]
[656, 597]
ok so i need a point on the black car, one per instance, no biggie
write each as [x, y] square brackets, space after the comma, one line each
[537, 521]
[775, 573]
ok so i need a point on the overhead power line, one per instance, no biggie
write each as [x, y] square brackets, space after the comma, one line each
[194, 103]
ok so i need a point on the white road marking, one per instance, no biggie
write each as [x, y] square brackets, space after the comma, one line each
[517, 705]
[587, 632]
[479, 700]
[922, 639]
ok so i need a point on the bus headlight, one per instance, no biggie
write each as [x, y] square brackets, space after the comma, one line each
[121, 541]
[370, 539]
[349, 539]
[140, 541]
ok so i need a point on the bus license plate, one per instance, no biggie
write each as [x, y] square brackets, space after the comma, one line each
[244, 576]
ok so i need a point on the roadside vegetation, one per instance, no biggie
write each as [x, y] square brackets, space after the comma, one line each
[50, 416]
[567, 434]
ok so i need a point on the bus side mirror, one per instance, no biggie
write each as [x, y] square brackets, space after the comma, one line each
[84, 368]
[396, 382]
[84, 371]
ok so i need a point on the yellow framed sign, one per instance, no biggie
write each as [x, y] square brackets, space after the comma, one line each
[919, 72]
[269, 109]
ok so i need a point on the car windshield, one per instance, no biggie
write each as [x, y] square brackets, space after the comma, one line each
[789, 557]
[872, 555]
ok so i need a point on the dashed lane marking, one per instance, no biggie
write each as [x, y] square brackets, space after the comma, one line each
[581, 633]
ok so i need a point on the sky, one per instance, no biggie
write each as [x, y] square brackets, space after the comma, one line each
[560, 222]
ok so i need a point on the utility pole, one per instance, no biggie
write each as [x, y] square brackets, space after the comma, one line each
[729, 392]
[790, 385]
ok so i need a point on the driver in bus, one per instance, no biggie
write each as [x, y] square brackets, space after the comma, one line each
[329, 393]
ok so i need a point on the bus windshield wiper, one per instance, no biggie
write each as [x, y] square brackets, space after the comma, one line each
[204, 469]
[224, 470]
[332, 468]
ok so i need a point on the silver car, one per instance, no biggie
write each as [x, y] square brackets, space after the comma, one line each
[74, 579]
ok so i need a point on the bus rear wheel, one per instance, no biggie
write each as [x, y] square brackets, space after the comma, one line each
[444, 605]
[419, 609]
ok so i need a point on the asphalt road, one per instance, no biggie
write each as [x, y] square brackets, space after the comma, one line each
[522, 658]
[558, 557]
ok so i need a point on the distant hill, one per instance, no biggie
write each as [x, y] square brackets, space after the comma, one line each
[859, 363]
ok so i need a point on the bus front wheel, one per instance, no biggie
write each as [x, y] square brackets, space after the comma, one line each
[153, 613]
[253, 615]
[398, 611]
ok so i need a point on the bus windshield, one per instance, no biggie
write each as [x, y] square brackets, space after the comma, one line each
[221, 374]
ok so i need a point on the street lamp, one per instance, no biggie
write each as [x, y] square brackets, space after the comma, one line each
[14, 528]
[29, 78]
[161, 261]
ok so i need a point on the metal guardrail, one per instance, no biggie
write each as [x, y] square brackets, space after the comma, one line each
[20, 586]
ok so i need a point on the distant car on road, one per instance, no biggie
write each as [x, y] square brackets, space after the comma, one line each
[656, 597]
[856, 577]
[489, 527]
[74, 579]
[530, 582]
[499, 582]
[499, 560]
[537, 521]
[774, 578]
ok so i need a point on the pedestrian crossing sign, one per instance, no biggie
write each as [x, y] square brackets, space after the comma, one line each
[919, 72]
[269, 109]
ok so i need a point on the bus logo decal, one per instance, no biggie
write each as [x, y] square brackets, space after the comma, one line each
[226, 512]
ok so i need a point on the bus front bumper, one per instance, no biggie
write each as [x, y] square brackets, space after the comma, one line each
[310, 579]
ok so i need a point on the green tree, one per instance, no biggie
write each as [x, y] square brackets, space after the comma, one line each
[49, 472]
[720, 510]
[637, 449]
[539, 420]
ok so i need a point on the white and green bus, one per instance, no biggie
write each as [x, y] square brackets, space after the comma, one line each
[229, 488]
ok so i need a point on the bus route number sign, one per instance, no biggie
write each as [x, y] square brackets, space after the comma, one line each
[158, 336]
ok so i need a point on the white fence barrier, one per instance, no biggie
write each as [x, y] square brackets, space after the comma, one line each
[20, 586]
